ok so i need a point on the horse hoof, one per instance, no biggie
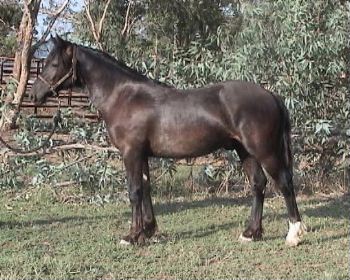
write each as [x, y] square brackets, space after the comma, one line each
[124, 242]
[127, 240]
[135, 239]
[159, 237]
[141, 239]
[150, 230]
[296, 231]
[293, 242]
[244, 239]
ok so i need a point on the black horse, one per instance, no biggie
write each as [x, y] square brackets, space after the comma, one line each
[146, 118]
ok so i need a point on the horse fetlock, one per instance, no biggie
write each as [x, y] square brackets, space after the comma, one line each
[134, 238]
[150, 228]
[251, 235]
[135, 197]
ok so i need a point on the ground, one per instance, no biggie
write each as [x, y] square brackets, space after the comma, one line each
[41, 237]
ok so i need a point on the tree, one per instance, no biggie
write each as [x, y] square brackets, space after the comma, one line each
[130, 25]
[96, 30]
[182, 22]
[24, 53]
[114, 23]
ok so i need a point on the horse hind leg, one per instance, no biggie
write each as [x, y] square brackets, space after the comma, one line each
[257, 180]
[283, 178]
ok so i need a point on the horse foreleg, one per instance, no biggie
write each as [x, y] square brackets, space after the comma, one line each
[149, 220]
[133, 164]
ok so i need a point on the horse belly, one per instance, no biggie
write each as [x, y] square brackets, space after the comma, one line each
[188, 141]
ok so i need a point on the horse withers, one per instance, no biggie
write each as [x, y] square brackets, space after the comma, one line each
[146, 118]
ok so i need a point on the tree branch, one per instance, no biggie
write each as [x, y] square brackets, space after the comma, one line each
[93, 27]
[96, 32]
[126, 22]
[27, 11]
[52, 21]
[65, 147]
[103, 18]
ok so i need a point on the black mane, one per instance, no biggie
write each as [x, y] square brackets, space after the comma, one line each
[122, 65]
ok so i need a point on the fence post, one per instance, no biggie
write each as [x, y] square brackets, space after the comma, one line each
[38, 68]
[70, 97]
[2, 71]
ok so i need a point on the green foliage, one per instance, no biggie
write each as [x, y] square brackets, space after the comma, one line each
[183, 22]
[11, 174]
[10, 18]
[157, 27]
[8, 45]
[10, 13]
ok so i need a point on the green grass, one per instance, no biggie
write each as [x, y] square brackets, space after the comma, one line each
[43, 238]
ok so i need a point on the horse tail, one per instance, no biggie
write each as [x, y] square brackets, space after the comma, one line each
[285, 132]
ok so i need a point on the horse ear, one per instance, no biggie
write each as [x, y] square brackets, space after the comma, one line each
[59, 40]
[53, 39]
[69, 50]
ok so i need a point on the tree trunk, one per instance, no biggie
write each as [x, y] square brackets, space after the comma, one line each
[25, 66]
[16, 72]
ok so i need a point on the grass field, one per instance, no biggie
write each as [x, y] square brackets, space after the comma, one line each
[41, 237]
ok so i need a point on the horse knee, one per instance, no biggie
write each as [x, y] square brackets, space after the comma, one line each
[260, 179]
[259, 182]
[135, 196]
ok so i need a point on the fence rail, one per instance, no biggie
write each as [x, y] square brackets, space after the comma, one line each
[75, 99]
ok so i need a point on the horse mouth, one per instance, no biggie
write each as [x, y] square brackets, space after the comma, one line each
[41, 100]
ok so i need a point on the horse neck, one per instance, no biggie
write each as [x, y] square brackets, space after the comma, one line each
[101, 78]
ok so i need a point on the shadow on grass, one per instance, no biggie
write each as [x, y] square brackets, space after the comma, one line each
[330, 207]
[175, 207]
[334, 207]
[50, 221]
[194, 233]
[338, 207]
[204, 232]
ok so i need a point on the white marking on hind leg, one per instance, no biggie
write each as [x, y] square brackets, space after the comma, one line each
[244, 239]
[296, 231]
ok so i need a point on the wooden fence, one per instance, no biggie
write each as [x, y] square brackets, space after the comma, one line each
[75, 99]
